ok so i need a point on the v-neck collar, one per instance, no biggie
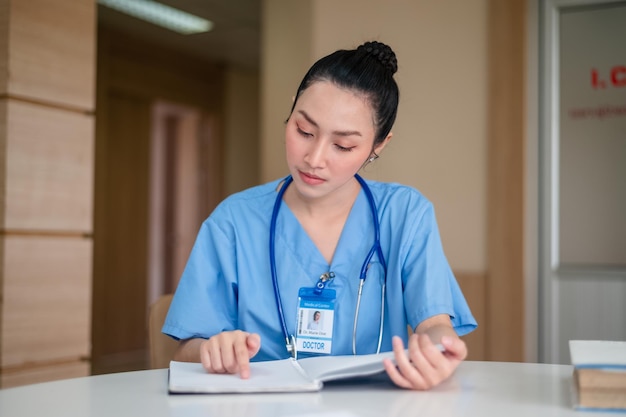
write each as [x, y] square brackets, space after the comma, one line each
[355, 239]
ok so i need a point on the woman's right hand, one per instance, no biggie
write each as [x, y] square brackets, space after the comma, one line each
[230, 352]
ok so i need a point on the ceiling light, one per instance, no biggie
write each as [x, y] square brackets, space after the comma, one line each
[161, 15]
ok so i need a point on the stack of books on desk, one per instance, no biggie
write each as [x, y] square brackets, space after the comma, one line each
[599, 374]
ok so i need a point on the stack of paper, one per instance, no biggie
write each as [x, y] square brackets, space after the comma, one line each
[599, 374]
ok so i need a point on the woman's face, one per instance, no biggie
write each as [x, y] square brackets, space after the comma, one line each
[329, 136]
[316, 316]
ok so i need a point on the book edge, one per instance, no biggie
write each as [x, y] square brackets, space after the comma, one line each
[312, 385]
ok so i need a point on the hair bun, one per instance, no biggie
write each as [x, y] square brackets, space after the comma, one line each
[383, 53]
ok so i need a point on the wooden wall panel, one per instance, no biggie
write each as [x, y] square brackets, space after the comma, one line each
[3, 163]
[4, 45]
[132, 77]
[23, 376]
[149, 70]
[121, 229]
[52, 53]
[46, 310]
[505, 202]
[473, 287]
[49, 169]
[47, 92]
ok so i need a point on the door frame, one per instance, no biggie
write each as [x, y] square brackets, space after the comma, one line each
[550, 270]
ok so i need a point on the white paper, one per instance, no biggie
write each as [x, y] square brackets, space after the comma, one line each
[287, 375]
[598, 353]
[329, 368]
[272, 376]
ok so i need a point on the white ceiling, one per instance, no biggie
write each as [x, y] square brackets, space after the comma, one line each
[234, 40]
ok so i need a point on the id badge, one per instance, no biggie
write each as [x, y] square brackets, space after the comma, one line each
[316, 316]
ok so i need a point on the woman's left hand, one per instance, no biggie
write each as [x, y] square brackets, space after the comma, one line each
[426, 365]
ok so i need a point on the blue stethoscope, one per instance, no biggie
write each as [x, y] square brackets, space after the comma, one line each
[290, 340]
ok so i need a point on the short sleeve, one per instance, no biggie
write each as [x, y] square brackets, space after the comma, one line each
[430, 287]
[205, 301]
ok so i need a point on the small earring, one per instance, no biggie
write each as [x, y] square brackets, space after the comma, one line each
[373, 158]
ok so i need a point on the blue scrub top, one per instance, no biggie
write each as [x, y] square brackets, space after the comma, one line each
[227, 283]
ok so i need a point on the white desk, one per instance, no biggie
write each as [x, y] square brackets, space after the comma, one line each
[476, 389]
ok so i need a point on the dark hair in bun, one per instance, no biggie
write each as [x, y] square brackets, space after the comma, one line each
[383, 53]
[369, 70]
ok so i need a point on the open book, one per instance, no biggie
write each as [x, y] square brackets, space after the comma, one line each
[286, 375]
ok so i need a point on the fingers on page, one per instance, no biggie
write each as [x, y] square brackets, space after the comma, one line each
[254, 344]
[395, 375]
[205, 356]
[242, 358]
[404, 373]
[215, 357]
[455, 349]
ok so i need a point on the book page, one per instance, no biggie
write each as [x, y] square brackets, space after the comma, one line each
[286, 375]
[272, 376]
[598, 353]
[328, 368]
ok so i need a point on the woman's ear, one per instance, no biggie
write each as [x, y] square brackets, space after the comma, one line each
[379, 148]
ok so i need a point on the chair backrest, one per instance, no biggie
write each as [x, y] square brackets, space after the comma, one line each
[162, 347]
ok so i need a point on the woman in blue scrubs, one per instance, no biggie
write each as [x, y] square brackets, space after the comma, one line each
[332, 236]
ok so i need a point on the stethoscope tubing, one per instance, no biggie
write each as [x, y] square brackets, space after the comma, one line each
[279, 198]
[376, 248]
